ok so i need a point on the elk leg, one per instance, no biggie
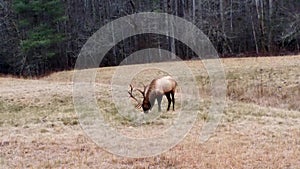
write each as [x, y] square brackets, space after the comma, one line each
[173, 100]
[159, 98]
[169, 100]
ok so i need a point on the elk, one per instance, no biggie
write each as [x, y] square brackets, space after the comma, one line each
[155, 90]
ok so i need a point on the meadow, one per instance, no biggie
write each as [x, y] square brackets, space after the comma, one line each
[260, 125]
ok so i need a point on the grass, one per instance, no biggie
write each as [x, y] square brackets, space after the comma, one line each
[266, 87]
[16, 113]
[259, 129]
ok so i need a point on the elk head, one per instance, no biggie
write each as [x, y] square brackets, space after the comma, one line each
[145, 105]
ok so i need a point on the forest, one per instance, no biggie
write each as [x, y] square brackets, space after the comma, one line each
[42, 36]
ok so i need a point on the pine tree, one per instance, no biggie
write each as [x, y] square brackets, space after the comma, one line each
[38, 27]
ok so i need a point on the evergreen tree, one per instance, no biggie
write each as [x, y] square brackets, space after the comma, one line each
[38, 22]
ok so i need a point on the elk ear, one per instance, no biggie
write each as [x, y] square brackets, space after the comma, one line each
[145, 88]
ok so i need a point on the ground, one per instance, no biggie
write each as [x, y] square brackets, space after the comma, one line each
[260, 126]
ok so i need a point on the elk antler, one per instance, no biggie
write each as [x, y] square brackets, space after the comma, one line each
[142, 92]
[139, 105]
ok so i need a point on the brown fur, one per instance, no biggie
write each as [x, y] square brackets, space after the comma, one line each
[155, 90]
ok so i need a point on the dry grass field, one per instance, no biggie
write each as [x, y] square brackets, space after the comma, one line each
[260, 127]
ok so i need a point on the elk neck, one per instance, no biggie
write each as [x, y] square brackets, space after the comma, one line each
[150, 91]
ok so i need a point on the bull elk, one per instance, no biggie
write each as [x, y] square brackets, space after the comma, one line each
[155, 90]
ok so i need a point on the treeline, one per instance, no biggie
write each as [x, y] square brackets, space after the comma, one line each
[41, 36]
